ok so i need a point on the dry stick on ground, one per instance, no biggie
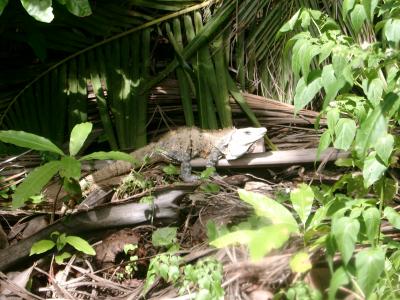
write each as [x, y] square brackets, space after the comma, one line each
[108, 216]
[17, 290]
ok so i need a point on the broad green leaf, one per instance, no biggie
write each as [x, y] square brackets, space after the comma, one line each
[266, 239]
[345, 162]
[300, 262]
[345, 231]
[61, 241]
[315, 14]
[384, 147]
[391, 104]
[331, 84]
[115, 155]
[339, 279]
[28, 140]
[392, 30]
[289, 25]
[302, 199]
[34, 182]
[332, 117]
[324, 143]
[347, 74]
[164, 236]
[373, 89]
[318, 217]
[70, 167]
[373, 170]
[345, 130]
[297, 49]
[325, 51]
[61, 257]
[3, 4]
[306, 92]
[375, 125]
[393, 216]
[339, 63]
[347, 6]
[370, 263]
[80, 244]
[270, 209]
[307, 53]
[371, 218]
[42, 246]
[80, 8]
[41, 10]
[305, 19]
[370, 6]
[357, 17]
[242, 237]
[392, 77]
[79, 134]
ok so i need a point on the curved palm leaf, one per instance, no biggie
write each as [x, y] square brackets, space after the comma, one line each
[113, 67]
[110, 51]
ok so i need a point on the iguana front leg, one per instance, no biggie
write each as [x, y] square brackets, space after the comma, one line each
[186, 172]
[213, 158]
[186, 169]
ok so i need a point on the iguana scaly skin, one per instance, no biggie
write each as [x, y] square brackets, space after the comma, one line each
[181, 146]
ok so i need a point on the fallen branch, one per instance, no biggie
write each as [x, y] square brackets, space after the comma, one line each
[112, 215]
[276, 158]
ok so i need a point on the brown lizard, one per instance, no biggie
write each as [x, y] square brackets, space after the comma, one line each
[181, 146]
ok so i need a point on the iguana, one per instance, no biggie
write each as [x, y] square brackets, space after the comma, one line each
[181, 146]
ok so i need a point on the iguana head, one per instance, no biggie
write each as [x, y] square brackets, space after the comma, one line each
[240, 140]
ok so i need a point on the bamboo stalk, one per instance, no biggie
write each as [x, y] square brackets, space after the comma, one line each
[202, 106]
[210, 79]
[129, 49]
[73, 101]
[210, 29]
[240, 60]
[114, 56]
[48, 131]
[184, 86]
[220, 68]
[101, 101]
[141, 138]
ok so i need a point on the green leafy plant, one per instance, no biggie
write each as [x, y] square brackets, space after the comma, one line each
[60, 240]
[164, 265]
[131, 267]
[204, 278]
[43, 11]
[359, 83]
[299, 290]
[6, 189]
[165, 237]
[68, 166]
[274, 224]
[263, 239]
[133, 182]
[171, 170]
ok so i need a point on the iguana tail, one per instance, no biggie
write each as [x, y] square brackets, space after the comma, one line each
[118, 168]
